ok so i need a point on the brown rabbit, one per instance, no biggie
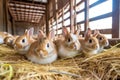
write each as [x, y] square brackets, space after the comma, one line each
[69, 46]
[3, 35]
[9, 40]
[23, 42]
[90, 44]
[42, 51]
[103, 41]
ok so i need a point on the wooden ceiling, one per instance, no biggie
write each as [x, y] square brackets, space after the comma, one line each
[27, 10]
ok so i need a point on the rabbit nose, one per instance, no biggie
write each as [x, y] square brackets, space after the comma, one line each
[43, 53]
[97, 46]
[75, 47]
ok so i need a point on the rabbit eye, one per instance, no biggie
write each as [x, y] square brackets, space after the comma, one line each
[100, 38]
[23, 40]
[48, 45]
[68, 39]
[90, 41]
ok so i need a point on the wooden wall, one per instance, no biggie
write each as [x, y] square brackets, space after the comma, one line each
[5, 18]
[20, 27]
[1, 15]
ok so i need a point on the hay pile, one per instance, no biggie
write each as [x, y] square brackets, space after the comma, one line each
[103, 66]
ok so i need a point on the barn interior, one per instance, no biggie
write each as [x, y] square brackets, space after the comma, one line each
[104, 15]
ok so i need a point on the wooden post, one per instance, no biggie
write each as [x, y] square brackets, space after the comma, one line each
[13, 27]
[56, 16]
[75, 22]
[47, 18]
[86, 14]
[71, 17]
[116, 19]
[1, 15]
[63, 17]
[5, 15]
[56, 23]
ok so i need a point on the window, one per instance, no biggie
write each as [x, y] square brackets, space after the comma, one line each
[100, 9]
[105, 23]
[100, 15]
[67, 22]
[80, 17]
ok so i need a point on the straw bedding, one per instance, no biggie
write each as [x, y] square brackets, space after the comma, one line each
[103, 66]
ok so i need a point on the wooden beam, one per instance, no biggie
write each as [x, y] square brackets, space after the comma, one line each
[29, 8]
[71, 17]
[63, 17]
[56, 23]
[26, 3]
[47, 18]
[98, 2]
[75, 21]
[116, 19]
[101, 16]
[86, 14]
[79, 3]
[6, 15]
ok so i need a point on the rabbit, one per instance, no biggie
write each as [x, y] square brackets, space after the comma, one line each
[103, 41]
[89, 43]
[42, 51]
[23, 42]
[69, 46]
[3, 35]
[9, 40]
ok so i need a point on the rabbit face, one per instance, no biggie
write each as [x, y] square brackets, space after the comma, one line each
[45, 47]
[103, 41]
[92, 43]
[71, 41]
[21, 43]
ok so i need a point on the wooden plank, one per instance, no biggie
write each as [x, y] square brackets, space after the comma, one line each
[97, 3]
[62, 17]
[25, 3]
[56, 23]
[6, 15]
[27, 21]
[79, 3]
[103, 31]
[86, 14]
[47, 18]
[97, 18]
[101, 16]
[36, 14]
[116, 19]
[28, 10]
[71, 17]
[92, 5]
[24, 7]
[75, 21]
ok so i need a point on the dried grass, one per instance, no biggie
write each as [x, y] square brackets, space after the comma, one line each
[103, 66]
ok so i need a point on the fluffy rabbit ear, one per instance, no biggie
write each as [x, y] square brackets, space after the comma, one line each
[40, 34]
[65, 31]
[30, 32]
[51, 34]
[96, 32]
[88, 34]
[77, 32]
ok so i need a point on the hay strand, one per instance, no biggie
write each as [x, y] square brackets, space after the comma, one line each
[103, 66]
